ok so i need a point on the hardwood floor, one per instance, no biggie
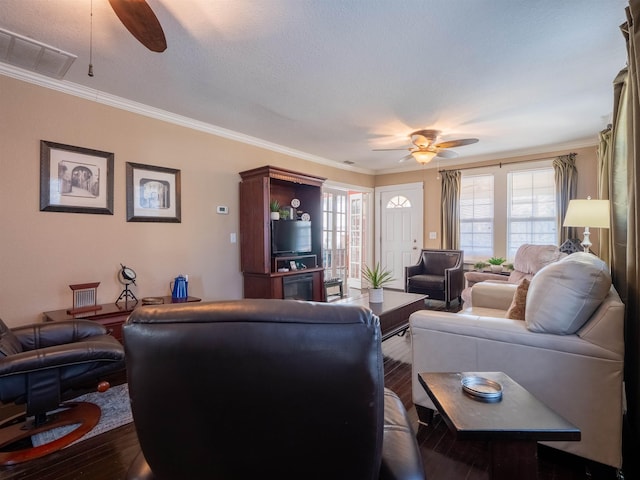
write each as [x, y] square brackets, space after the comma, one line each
[107, 456]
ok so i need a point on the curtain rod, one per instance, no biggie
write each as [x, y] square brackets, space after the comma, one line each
[499, 164]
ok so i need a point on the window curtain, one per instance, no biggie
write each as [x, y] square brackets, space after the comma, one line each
[604, 164]
[450, 201]
[623, 185]
[566, 176]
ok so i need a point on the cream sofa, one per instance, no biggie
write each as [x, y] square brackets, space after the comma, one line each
[573, 365]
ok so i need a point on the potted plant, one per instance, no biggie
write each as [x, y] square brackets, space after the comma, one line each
[284, 214]
[496, 264]
[377, 277]
[274, 206]
[479, 266]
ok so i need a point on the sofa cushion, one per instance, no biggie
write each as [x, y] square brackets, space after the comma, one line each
[518, 305]
[563, 295]
[428, 282]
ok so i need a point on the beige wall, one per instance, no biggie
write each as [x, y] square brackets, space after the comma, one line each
[42, 253]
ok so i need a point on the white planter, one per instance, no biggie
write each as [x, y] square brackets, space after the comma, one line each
[275, 215]
[375, 295]
[496, 268]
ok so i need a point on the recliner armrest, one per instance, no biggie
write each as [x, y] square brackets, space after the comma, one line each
[498, 295]
[101, 348]
[401, 459]
[472, 278]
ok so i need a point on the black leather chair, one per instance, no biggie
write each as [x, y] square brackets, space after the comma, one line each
[438, 273]
[261, 388]
[40, 363]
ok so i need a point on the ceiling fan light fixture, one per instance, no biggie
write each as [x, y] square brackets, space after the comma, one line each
[423, 156]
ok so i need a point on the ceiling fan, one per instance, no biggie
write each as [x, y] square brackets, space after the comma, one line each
[143, 24]
[426, 146]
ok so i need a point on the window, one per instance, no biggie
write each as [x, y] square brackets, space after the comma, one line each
[531, 209]
[503, 207]
[476, 216]
[399, 201]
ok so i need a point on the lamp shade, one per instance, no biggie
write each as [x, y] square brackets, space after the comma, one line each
[587, 213]
[423, 156]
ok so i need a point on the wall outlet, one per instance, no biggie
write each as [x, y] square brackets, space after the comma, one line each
[222, 209]
[432, 235]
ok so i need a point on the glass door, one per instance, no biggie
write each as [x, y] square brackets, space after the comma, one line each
[334, 233]
[344, 241]
[356, 239]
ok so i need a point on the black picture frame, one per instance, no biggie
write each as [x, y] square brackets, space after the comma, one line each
[75, 179]
[153, 193]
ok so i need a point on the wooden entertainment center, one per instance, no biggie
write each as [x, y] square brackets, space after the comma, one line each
[264, 273]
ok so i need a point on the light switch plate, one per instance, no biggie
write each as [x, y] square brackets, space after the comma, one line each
[432, 235]
[222, 209]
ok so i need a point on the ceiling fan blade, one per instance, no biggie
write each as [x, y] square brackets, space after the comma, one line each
[143, 24]
[456, 143]
[406, 158]
[447, 154]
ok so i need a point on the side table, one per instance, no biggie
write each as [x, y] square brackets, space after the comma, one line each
[512, 426]
[111, 315]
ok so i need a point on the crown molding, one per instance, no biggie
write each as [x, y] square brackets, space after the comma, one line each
[541, 152]
[103, 98]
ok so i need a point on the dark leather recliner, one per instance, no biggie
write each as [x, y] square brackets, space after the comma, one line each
[41, 362]
[260, 388]
[438, 273]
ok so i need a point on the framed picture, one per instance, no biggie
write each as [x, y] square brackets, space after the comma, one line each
[153, 194]
[75, 179]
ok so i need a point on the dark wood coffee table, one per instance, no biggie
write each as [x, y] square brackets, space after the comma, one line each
[393, 312]
[512, 426]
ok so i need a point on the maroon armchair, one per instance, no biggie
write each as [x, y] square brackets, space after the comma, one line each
[438, 273]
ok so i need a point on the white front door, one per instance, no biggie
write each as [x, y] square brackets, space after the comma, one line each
[399, 238]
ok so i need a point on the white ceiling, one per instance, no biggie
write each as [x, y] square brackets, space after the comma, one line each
[334, 79]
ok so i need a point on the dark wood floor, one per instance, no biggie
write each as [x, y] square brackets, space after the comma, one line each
[107, 456]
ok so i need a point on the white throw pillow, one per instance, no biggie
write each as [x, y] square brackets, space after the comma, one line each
[563, 295]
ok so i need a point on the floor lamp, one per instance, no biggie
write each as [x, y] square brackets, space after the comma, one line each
[587, 213]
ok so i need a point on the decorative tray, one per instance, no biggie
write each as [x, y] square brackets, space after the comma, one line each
[152, 301]
[481, 388]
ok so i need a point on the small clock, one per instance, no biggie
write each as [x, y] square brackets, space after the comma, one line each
[128, 275]
[295, 203]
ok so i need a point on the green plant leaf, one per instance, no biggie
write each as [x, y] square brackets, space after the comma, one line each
[377, 276]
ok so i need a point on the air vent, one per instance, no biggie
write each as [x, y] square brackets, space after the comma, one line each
[31, 55]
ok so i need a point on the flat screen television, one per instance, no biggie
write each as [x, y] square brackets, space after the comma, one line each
[290, 236]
